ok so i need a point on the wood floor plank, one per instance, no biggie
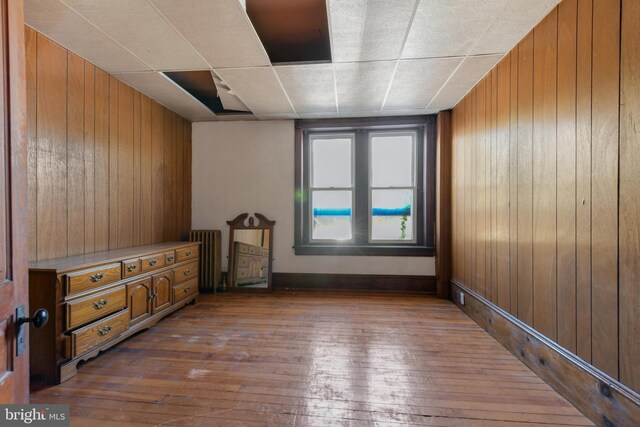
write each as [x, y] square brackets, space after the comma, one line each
[308, 359]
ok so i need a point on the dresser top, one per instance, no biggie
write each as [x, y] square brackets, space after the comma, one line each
[87, 260]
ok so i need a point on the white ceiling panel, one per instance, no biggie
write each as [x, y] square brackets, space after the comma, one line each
[258, 88]
[417, 81]
[311, 88]
[361, 86]
[517, 18]
[449, 27]
[142, 30]
[472, 69]
[220, 30]
[277, 116]
[367, 30]
[160, 88]
[63, 25]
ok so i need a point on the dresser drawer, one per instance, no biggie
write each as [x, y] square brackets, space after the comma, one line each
[243, 273]
[131, 267]
[88, 279]
[169, 258]
[243, 249]
[184, 254]
[95, 334]
[265, 263]
[98, 305]
[254, 250]
[243, 261]
[184, 290]
[186, 272]
[152, 262]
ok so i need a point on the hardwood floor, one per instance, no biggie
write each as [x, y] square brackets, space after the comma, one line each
[305, 358]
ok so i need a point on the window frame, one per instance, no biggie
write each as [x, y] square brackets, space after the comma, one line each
[425, 176]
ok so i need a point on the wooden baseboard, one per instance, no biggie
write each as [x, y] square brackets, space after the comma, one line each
[355, 282]
[603, 399]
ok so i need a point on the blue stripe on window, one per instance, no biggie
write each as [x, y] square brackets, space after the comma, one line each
[406, 210]
[331, 212]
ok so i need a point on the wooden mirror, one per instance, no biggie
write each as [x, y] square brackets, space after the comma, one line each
[250, 253]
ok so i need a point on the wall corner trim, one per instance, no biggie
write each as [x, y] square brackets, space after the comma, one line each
[598, 396]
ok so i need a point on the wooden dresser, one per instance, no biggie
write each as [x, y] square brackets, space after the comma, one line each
[97, 300]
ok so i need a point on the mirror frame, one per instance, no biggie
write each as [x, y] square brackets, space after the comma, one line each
[239, 223]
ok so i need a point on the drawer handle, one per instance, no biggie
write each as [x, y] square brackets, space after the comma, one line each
[187, 253]
[152, 295]
[131, 268]
[153, 262]
[104, 330]
[96, 277]
[187, 289]
[187, 272]
[101, 303]
[170, 258]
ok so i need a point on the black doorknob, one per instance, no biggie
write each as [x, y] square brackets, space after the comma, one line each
[39, 319]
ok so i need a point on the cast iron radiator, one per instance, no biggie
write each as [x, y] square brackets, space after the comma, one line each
[209, 276]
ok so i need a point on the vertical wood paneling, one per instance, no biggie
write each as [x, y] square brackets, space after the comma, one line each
[545, 55]
[101, 165]
[187, 170]
[629, 197]
[157, 173]
[136, 170]
[480, 205]
[146, 206]
[124, 178]
[566, 182]
[168, 163]
[32, 141]
[604, 184]
[51, 105]
[561, 125]
[525, 180]
[583, 179]
[113, 162]
[89, 157]
[513, 183]
[75, 154]
[503, 298]
[99, 159]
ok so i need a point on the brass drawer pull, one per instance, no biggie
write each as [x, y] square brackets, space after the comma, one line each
[187, 289]
[170, 258]
[104, 330]
[153, 262]
[187, 272]
[152, 295]
[96, 277]
[132, 267]
[101, 303]
[187, 253]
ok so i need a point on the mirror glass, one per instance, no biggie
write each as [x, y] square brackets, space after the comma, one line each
[250, 253]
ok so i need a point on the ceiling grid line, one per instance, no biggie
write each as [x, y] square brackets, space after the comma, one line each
[404, 41]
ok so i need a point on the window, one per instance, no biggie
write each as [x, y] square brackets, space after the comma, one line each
[365, 186]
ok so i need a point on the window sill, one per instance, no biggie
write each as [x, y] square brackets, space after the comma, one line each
[407, 251]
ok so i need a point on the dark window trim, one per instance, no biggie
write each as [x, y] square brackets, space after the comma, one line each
[425, 245]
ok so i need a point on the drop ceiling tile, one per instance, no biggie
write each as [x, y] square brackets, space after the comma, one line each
[220, 30]
[449, 27]
[258, 88]
[517, 18]
[366, 30]
[472, 69]
[64, 26]
[417, 81]
[362, 86]
[310, 87]
[332, 115]
[289, 116]
[157, 86]
[142, 30]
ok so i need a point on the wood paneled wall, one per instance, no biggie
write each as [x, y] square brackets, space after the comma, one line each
[546, 207]
[108, 167]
